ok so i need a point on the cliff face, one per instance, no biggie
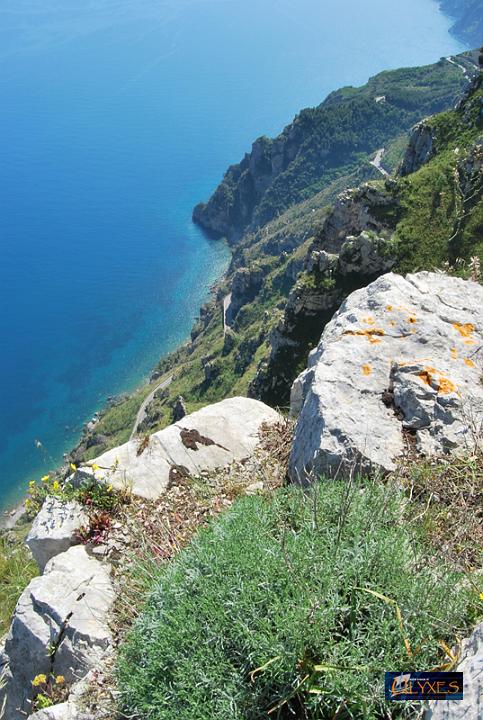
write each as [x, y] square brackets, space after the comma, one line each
[322, 143]
[428, 216]
[468, 16]
[288, 276]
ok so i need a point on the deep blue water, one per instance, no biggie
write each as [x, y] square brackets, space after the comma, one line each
[116, 117]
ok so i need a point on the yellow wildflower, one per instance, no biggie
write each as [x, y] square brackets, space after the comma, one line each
[28, 502]
[59, 680]
[39, 680]
[481, 596]
[109, 488]
[56, 486]
[32, 484]
[95, 467]
[73, 467]
[44, 478]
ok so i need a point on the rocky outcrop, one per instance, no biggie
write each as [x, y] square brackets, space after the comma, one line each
[401, 360]
[245, 285]
[471, 665]
[353, 247]
[179, 409]
[60, 627]
[368, 207]
[211, 438]
[55, 529]
[420, 149]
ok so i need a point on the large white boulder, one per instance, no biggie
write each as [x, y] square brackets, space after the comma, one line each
[208, 439]
[55, 529]
[401, 361]
[60, 626]
[471, 665]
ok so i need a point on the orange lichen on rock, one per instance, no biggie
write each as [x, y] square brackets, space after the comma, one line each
[369, 320]
[440, 383]
[371, 334]
[412, 319]
[366, 369]
[389, 308]
[466, 330]
[454, 353]
[426, 377]
[470, 363]
[446, 386]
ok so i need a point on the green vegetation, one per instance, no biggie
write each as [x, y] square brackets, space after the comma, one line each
[92, 493]
[16, 571]
[442, 212]
[290, 603]
[431, 218]
[328, 142]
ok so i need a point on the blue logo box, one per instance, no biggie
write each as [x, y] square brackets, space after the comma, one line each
[423, 686]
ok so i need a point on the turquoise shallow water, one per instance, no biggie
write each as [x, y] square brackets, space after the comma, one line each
[116, 118]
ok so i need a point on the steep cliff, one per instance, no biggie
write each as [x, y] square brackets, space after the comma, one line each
[430, 216]
[323, 143]
[287, 277]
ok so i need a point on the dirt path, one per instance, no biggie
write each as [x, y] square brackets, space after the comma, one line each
[142, 410]
[226, 305]
[377, 162]
[461, 67]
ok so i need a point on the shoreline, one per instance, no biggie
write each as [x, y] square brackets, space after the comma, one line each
[12, 512]
[15, 498]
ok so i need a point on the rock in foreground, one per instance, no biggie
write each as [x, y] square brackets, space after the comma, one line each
[208, 439]
[54, 529]
[399, 364]
[60, 627]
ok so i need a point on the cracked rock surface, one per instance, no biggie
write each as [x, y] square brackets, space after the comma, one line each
[60, 626]
[402, 357]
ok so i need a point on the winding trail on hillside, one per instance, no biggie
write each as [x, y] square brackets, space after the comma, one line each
[142, 410]
[226, 306]
[376, 162]
[461, 67]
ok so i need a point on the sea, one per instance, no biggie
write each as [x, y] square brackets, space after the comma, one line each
[116, 118]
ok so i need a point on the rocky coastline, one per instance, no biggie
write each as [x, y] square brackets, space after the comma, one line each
[395, 358]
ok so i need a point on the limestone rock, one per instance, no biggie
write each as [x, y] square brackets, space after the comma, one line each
[245, 285]
[471, 665]
[367, 255]
[419, 150]
[59, 626]
[63, 711]
[400, 354]
[211, 438]
[179, 409]
[54, 529]
[354, 211]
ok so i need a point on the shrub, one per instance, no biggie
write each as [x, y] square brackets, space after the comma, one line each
[271, 610]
